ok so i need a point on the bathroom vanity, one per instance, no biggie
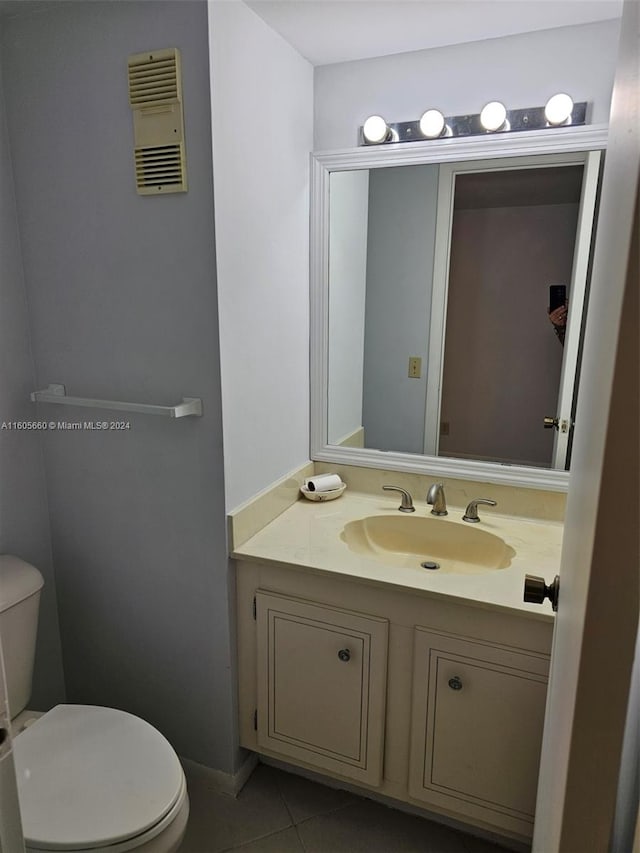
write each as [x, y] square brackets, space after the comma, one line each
[424, 686]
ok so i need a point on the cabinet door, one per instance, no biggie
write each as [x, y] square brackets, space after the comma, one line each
[321, 685]
[477, 720]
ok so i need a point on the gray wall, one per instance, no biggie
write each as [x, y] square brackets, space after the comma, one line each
[122, 293]
[402, 217]
[24, 519]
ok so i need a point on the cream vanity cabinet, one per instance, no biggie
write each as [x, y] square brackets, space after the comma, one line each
[476, 730]
[430, 701]
[321, 674]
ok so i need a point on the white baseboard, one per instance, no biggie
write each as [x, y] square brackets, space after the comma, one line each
[224, 783]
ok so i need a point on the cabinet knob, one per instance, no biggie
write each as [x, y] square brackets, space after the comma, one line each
[344, 655]
[455, 683]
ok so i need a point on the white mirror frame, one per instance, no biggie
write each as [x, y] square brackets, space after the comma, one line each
[552, 141]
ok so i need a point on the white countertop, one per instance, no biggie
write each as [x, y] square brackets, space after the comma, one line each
[308, 536]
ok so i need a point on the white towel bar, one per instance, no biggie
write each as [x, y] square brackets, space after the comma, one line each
[58, 394]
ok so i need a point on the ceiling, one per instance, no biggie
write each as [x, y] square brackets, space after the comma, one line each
[328, 31]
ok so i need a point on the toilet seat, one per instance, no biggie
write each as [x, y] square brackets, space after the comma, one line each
[91, 778]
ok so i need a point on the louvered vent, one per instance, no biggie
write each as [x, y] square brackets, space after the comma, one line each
[159, 169]
[153, 77]
[155, 96]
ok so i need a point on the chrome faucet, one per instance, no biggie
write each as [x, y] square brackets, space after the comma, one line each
[435, 496]
[406, 504]
[471, 512]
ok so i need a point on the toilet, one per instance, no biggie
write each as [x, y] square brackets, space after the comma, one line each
[90, 779]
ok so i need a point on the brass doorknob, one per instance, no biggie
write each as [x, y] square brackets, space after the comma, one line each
[550, 423]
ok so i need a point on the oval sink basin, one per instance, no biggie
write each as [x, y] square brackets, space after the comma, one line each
[409, 541]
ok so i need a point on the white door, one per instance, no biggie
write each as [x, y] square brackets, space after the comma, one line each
[597, 618]
[577, 297]
[11, 840]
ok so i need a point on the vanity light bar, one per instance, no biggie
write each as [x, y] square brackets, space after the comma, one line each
[531, 118]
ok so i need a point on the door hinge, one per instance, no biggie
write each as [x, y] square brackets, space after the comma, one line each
[255, 720]
[255, 608]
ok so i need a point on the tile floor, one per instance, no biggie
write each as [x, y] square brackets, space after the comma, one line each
[278, 812]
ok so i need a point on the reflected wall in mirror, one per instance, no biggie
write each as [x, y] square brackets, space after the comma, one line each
[439, 340]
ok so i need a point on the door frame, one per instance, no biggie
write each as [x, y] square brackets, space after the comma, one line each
[448, 174]
[597, 620]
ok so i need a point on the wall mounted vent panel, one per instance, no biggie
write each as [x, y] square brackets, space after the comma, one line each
[160, 169]
[155, 77]
[155, 96]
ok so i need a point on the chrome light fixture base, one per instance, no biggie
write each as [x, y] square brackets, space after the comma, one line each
[531, 118]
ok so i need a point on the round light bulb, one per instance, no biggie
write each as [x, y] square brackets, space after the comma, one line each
[375, 129]
[558, 109]
[493, 115]
[432, 124]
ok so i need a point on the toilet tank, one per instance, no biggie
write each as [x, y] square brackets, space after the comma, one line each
[20, 585]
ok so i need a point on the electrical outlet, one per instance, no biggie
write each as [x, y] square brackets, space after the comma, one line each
[415, 367]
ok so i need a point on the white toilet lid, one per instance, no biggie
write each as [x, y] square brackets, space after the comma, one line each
[90, 776]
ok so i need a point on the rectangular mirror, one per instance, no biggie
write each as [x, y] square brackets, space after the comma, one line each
[433, 281]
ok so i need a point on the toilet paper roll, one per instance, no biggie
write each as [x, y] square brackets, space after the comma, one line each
[323, 483]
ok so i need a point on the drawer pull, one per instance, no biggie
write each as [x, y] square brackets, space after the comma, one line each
[344, 655]
[455, 683]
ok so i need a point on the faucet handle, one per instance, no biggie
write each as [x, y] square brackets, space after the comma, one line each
[406, 504]
[471, 512]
